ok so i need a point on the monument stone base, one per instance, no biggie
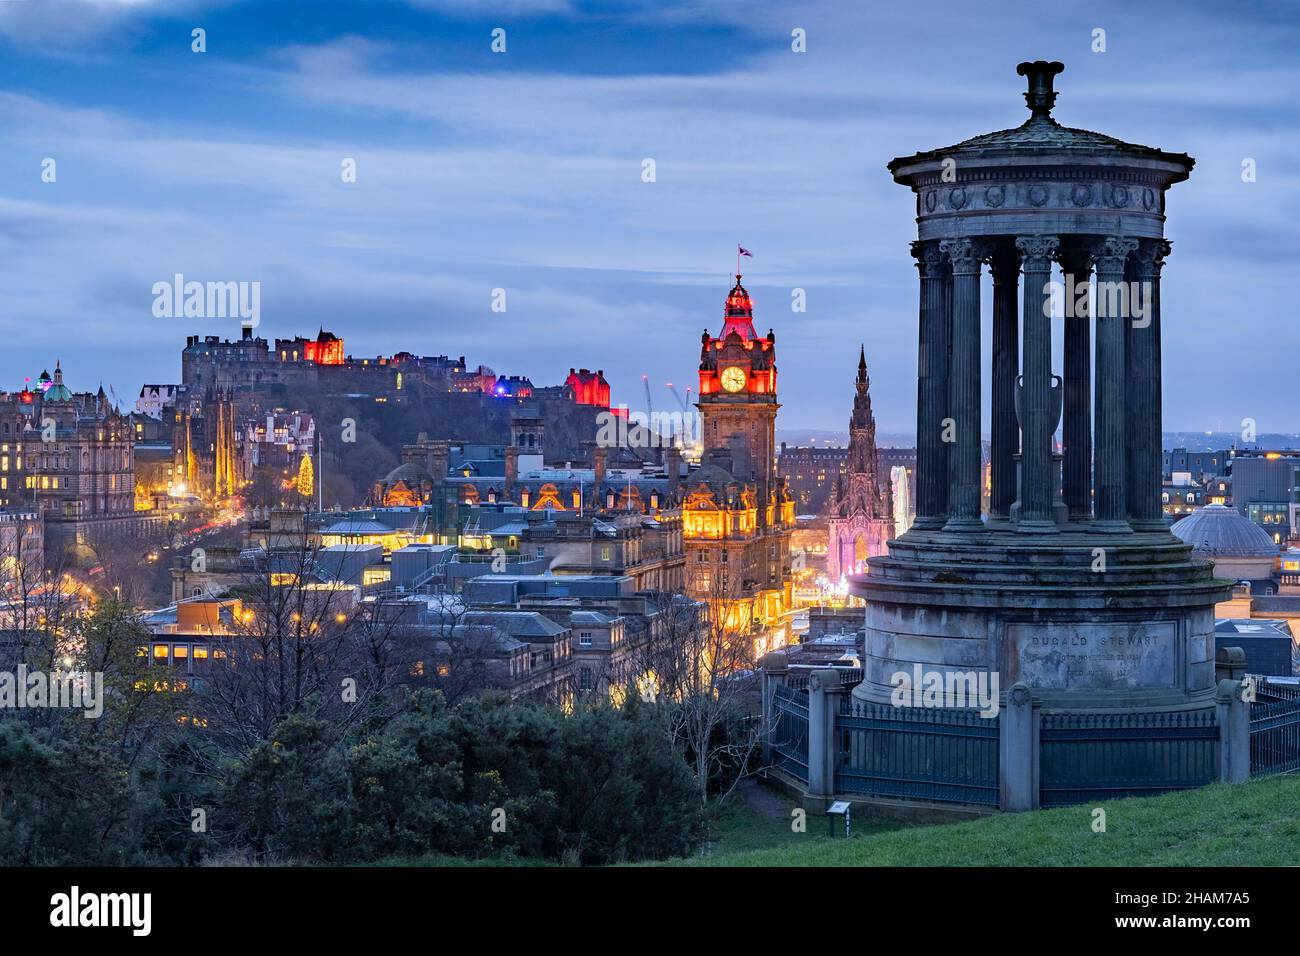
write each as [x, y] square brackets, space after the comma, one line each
[1092, 623]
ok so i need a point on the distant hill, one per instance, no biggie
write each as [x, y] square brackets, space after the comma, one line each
[1192, 441]
[1216, 441]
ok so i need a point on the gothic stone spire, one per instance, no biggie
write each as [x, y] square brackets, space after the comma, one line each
[863, 495]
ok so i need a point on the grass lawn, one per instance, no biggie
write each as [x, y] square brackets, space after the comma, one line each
[740, 829]
[1253, 824]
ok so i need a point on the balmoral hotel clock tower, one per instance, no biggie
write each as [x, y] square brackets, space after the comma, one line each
[737, 515]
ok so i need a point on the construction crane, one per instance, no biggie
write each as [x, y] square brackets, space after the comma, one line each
[649, 405]
[678, 397]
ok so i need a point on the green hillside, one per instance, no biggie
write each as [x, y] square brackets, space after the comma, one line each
[1254, 824]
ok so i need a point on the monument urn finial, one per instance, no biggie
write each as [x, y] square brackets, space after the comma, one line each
[1040, 96]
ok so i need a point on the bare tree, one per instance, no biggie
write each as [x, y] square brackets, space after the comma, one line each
[291, 640]
[38, 605]
[462, 658]
[128, 572]
[51, 621]
[696, 666]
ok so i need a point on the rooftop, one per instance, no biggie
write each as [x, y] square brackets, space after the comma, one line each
[1041, 136]
[1218, 531]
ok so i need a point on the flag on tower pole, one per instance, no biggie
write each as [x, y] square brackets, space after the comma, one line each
[741, 251]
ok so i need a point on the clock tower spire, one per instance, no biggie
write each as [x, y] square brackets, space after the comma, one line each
[736, 510]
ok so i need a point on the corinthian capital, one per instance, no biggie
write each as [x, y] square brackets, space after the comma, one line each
[1111, 252]
[928, 258]
[966, 254]
[1036, 252]
[1149, 257]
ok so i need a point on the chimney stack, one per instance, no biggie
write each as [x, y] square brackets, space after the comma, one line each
[512, 469]
[439, 455]
[673, 465]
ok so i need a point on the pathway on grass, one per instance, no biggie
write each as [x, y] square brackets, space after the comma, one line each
[765, 800]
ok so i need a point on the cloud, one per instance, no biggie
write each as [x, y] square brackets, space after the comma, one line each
[527, 175]
[86, 26]
[477, 8]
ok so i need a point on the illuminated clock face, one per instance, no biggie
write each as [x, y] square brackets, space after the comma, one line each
[733, 379]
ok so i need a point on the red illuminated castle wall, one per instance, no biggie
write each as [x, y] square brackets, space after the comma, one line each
[589, 388]
[326, 350]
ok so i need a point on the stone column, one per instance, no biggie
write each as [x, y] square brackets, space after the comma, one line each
[1143, 385]
[824, 694]
[1234, 732]
[1036, 493]
[1006, 364]
[1109, 305]
[945, 313]
[1076, 425]
[932, 391]
[1018, 751]
[966, 256]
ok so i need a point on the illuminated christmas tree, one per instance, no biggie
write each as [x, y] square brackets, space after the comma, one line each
[306, 477]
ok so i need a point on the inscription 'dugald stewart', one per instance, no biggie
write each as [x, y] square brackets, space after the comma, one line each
[1093, 656]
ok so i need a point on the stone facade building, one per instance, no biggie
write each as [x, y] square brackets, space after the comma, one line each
[208, 459]
[70, 456]
[812, 473]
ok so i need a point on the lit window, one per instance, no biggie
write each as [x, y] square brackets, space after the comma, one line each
[201, 653]
[160, 651]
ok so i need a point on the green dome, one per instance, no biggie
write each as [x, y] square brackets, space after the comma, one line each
[58, 392]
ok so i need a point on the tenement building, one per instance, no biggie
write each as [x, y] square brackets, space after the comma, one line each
[737, 515]
[1072, 584]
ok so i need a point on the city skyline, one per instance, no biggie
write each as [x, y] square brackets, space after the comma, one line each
[523, 171]
[586, 433]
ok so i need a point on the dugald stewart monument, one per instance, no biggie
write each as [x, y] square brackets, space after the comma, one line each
[1072, 585]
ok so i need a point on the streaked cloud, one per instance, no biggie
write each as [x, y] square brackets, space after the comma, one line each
[523, 171]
